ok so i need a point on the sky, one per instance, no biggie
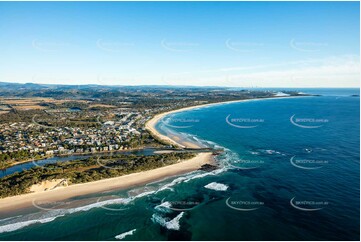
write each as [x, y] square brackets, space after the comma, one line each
[235, 44]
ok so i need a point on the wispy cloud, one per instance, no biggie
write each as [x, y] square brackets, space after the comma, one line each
[335, 71]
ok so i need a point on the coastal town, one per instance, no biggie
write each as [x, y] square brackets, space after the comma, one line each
[43, 124]
[40, 139]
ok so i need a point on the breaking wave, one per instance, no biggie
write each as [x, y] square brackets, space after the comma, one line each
[16, 223]
[123, 235]
[173, 224]
[164, 207]
[19, 225]
[216, 186]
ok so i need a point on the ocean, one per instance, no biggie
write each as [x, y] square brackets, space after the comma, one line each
[289, 171]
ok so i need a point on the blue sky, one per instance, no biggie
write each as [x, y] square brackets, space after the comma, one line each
[244, 44]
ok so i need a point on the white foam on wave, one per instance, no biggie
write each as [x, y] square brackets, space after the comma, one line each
[212, 144]
[124, 201]
[19, 225]
[56, 213]
[53, 214]
[229, 158]
[169, 186]
[164, 207]
[189, 177]
[211, 173]
[272, 152]
[216, 186]
[195, 138]
[50, 216]
[123, 235]
[6, 219]
[173, 224]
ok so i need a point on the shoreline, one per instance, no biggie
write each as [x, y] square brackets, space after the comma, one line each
[23, 201]
[150, 124]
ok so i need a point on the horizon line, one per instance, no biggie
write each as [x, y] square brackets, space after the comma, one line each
[160, 85]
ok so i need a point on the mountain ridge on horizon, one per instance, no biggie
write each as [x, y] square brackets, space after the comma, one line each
[32, 84]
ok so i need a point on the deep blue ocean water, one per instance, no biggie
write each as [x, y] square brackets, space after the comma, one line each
[290, 171]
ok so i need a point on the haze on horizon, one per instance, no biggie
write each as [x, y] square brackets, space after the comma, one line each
[234, 44]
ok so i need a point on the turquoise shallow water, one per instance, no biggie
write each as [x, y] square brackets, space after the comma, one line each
[290, 172]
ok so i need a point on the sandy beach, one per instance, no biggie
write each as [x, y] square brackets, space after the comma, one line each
[150, 125]
[122, 182]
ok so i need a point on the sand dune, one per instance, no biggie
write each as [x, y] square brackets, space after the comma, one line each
[122, 182]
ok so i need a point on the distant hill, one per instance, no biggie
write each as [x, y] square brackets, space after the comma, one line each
[87, 91]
